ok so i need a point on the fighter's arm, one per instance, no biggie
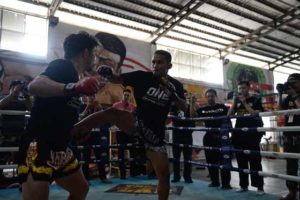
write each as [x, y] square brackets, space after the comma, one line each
[45, 87]
[232, 109]
[175, 94]
[199, 114]
[193, 109]
[296, 99]
[248, 107]
[180, 104]
[6, 101]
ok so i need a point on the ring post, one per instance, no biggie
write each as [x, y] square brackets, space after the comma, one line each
[225, 144]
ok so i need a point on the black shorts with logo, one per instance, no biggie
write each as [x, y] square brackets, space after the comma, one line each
[44, 161]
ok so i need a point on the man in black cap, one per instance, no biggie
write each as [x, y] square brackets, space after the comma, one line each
[292, 139]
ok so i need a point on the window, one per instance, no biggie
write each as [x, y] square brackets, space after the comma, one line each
[24, 33]
[195, 66]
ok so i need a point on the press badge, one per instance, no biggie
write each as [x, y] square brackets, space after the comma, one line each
[291, 118]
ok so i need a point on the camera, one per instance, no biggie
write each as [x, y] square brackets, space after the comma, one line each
[14, 83]
[283, 87]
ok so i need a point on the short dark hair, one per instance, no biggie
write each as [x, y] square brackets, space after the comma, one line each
[126, 90]
[247, 83]
[75, 44]
[164, 53]
[113, 44]
[211, 91]
[294, 76]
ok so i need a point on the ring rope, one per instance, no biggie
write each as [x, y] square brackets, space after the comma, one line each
[128, 145]
[260, 173]
[246, 171]
[244, 151]
[9, 149]
[12, 166]
[14, 112]
[258, 114]
[243, 129]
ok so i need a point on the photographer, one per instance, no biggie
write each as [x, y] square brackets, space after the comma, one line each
[12, 126]
[18, 98]
[287, 90]
[246, 104]
[291, 139]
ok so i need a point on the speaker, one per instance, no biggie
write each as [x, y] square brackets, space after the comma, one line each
[53, 21]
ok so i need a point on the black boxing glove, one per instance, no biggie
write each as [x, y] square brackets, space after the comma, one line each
[172, 89]
[86, 86]
[105, 71]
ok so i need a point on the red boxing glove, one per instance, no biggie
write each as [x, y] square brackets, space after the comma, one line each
[87, 86]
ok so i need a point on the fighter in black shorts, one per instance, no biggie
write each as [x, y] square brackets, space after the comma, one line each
[44, 154]
[154, 93]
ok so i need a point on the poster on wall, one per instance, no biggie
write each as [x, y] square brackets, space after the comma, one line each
[118, 52]
[261, 80]
[121, 53]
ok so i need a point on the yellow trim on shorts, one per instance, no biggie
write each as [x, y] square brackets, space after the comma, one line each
[42, 170]
[23, 169]
[71, 166]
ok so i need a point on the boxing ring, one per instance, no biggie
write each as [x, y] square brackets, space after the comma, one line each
[197, 190]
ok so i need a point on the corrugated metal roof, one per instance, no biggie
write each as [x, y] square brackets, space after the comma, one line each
[267, 30]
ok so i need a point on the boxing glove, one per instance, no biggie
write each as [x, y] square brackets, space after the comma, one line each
[105, 71]
[86, 86]
[171, 89]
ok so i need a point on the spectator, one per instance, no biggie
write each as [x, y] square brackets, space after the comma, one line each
[12, 126]
[99, 136]
[182, 137]
[123, 138]
[292, 139]
[246, 104]
[213, 139]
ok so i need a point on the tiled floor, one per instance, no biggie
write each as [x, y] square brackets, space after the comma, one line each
[199, 190]
[272, 185]
[195, 191]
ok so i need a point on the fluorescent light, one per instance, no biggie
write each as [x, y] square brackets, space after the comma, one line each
[97, 25]
[23, 7]
[245, 60]
[186, 46]
[94, 13]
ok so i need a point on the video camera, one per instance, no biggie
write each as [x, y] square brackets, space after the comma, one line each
[18, 82]
[233, 95]
[283, 87]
